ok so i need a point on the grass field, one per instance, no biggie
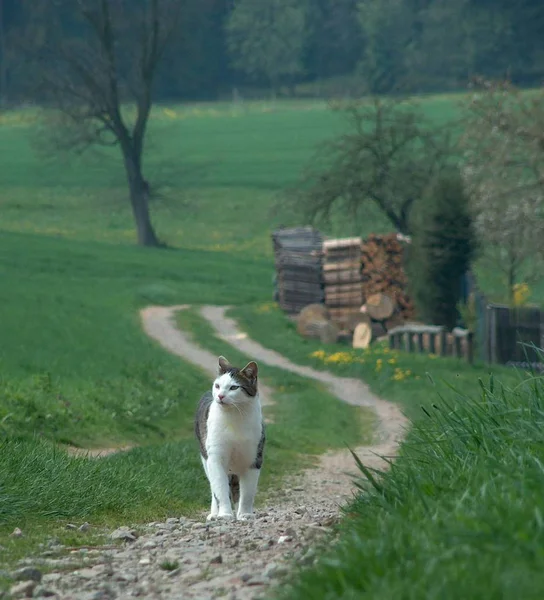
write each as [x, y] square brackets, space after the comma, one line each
[218, 168]
[75, 366]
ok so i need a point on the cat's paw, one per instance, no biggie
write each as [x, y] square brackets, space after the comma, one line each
[211, 517]
[246, 517]
[225, 516]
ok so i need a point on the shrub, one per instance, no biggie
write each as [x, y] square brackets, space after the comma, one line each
[443, 244]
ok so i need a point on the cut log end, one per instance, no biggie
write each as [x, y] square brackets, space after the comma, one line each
[380, 306]
[362, 336]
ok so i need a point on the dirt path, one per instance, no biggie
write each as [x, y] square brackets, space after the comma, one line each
[184, 558]
[390, 420]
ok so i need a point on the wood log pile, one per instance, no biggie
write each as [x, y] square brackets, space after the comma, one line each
[383, 273]
[297, 254]
[355, 287]
[342, 279]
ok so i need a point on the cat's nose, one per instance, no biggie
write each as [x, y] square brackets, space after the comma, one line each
[220, 396]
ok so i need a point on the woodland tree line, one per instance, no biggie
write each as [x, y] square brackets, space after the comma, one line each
[379, 45]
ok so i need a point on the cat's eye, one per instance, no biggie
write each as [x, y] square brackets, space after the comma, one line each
[234, 387]
[216, 386]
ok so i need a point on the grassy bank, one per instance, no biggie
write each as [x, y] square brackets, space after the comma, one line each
[459, 515]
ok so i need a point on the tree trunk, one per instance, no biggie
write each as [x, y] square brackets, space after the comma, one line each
[511, 281]
[3, 61]
[139, 200]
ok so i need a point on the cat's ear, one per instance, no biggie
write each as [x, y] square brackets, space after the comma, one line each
[250, 370]
[224, 365]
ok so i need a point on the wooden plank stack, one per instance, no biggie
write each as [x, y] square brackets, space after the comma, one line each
[383, 272]
[342, 279]
[298, 254]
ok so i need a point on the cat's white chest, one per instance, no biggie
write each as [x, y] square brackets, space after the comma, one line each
[234, 437]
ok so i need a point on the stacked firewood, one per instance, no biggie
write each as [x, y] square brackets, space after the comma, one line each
[298, 268]
[383, 273]
[342, 279]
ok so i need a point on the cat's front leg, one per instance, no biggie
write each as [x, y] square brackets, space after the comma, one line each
[248, 490]
[219, 482]
[213, 510]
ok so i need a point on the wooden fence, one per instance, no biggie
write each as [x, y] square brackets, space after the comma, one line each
[433, 340]
[506, 335]
[514, 336]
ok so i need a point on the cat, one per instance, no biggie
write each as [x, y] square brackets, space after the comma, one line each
[230, 429]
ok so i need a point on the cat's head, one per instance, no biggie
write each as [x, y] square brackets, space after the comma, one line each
[234, 386]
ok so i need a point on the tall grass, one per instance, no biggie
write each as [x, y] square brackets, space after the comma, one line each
[149, 482]
[459, 515]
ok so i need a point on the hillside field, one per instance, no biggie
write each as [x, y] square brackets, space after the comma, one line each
[218, 170]
[75, 367]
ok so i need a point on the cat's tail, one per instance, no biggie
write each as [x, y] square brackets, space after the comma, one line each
[234, 485]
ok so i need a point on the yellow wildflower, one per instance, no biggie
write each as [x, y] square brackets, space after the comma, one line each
[266, 307]
[520, 293]
[339, 357]
[318, 354]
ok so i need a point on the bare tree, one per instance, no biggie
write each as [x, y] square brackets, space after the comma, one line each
[3, 59]
[504, 173]
[98, 75]
[388, 156]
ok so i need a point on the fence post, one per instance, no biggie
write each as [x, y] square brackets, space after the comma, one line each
[457, 345]
[432, 342]
[443, 343]
[392, 342]
[470, 347]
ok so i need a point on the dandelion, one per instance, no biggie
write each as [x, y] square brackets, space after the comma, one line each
[339, 358]
[318, 354]
[266, 307]
[398, 375]
[392, 361]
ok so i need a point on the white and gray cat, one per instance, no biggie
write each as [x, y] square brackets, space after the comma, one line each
[230, 429]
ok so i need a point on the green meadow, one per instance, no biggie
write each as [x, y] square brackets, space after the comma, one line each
[76, 368]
